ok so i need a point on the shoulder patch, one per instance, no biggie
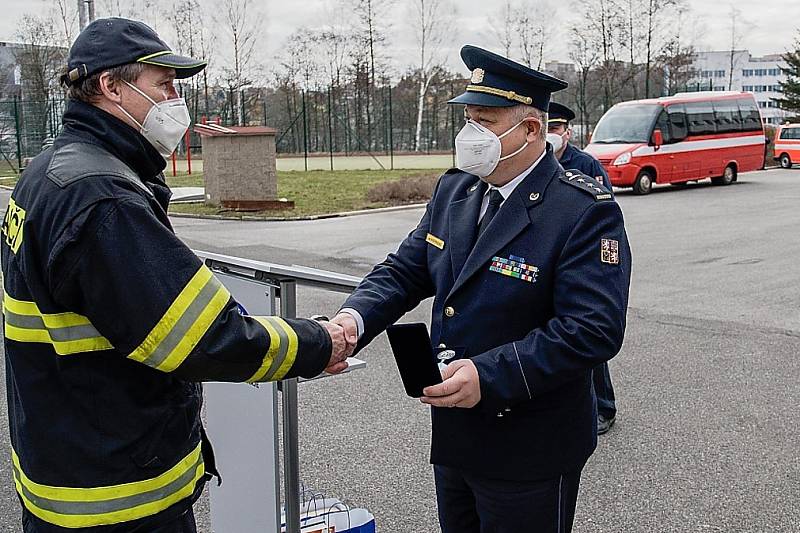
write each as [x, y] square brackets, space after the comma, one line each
[587, 184]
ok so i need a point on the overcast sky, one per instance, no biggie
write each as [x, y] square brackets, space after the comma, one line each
[768, 26]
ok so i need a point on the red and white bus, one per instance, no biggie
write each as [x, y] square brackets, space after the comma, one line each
[675, 139]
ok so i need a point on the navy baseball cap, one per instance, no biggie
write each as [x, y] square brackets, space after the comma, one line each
[111, 42]
[499, 82]
[560, 113]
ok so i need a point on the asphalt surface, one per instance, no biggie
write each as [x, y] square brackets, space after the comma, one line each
[707, 433]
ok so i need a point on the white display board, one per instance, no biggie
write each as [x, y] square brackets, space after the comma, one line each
[242, 422]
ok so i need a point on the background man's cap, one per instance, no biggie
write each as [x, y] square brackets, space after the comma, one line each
[560, 113]
[499, 82]
[111, 42]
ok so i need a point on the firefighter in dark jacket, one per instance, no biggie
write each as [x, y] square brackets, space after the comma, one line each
[110, 321]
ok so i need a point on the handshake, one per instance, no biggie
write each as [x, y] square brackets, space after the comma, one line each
[344, 337]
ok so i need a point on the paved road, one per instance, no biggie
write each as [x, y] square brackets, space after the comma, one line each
[707, 435]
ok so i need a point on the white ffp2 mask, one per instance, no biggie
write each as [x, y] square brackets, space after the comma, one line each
[478, 149]
[556, 140]
[165, 123]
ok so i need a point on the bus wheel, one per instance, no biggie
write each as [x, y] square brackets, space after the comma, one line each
[728, 176]
[644, 183]
[786, 161]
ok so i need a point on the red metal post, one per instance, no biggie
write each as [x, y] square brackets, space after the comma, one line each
[174, 165]
[187, 140]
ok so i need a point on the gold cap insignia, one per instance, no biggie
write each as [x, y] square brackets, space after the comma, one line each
[477, 75]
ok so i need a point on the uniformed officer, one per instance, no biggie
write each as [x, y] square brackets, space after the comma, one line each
[529, 267]
[109, 319]
[559, 132]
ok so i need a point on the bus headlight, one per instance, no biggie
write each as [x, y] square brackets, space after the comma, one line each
[623, 159]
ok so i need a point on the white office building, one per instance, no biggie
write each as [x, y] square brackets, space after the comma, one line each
[758, 75]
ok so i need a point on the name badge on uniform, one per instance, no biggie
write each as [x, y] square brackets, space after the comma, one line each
[434, 240]
[609, 251]
[514, 267]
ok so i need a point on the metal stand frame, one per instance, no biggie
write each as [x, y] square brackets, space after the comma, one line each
[284, 280]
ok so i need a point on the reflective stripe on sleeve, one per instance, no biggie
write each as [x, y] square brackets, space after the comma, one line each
[282, 350]
[183, 325]
[68, 333]
[73, 507]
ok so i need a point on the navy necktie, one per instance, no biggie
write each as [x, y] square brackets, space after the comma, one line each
[495, 199]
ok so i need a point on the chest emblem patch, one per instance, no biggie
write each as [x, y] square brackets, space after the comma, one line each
[514, 267]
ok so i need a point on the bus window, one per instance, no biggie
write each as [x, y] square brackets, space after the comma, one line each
[751, 118]
[700, 116]
[790, 133]
[662, 123]
[626, 124]
[677, 119]
[727, 114]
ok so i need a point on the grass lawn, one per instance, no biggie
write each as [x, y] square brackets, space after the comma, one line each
[315, 192]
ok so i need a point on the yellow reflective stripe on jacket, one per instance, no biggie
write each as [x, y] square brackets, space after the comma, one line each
[282, 350]
[68, 333]
[74, 507]
[183, 325]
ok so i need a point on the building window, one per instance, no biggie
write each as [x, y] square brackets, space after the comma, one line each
[774, 72]
[747, 88]
[747, 73]
[719, 73]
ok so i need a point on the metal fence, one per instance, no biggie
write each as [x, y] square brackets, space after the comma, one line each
[340, 121]
[25, 127]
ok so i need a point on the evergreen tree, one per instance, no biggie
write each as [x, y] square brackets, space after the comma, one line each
[791, 87]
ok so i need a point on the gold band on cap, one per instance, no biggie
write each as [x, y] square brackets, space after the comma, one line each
[558, 120]
[511, 95]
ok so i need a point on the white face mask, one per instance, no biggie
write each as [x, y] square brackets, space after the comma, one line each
[165, 123]
[478, 149]
[556, 140]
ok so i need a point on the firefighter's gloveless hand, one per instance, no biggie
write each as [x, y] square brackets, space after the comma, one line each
[341, 349]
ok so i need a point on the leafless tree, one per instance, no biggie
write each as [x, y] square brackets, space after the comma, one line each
[655, 11]
[189, 24]
[586, 58]
[532, 29]
[605, 29]
[504, 27]
[677, 55]
[431, 20]
[736, 37]
[145, 10]
[239, 19]
[67, 14]
[41, 61]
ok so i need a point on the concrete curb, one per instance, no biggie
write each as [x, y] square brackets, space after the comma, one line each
[250, 218]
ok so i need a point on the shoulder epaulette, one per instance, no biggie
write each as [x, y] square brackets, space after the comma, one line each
[585, 183]
[453, 170]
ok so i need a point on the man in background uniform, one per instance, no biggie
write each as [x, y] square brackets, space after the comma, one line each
[570, 157]
[110, 321]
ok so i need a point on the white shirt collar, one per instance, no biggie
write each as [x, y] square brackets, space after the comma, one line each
[509, 187]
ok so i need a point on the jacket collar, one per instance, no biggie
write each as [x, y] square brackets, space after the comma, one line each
[87, 123]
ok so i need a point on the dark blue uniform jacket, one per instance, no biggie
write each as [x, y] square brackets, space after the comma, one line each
[575, 158]
[537, 302]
